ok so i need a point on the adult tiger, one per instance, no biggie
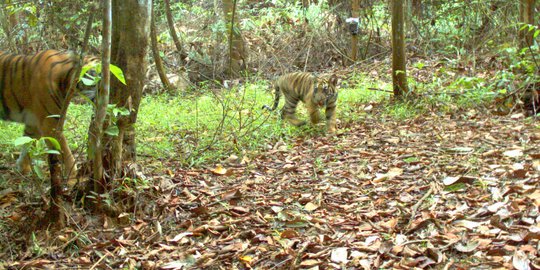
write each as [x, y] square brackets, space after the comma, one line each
[33, 91]
[315, 92]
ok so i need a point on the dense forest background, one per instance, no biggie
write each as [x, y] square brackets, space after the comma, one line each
[283, 36]
[444, 175]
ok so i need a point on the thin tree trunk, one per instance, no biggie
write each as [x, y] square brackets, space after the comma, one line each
[527, 17]
[173, 33]
[354, 40]
[102, 102]
[417, 9]
[56, 213]
[237, 51]
[155, 53]
[399, 77]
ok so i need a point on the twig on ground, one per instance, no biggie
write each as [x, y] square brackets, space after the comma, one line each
[417, 205]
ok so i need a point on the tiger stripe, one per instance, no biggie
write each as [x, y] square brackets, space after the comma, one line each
[33, 88]
[314, 92]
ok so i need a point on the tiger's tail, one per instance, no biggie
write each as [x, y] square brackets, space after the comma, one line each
[276, 100]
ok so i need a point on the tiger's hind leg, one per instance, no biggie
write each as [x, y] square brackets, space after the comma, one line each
[289, 113]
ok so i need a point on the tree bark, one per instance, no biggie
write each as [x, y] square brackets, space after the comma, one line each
[399, 76]
[173, 33]
[155, 53]
[56, 211]
[417, 9]
[102, 101]
[237, 51]
[354, 40]
[527, 17]
[129, 47]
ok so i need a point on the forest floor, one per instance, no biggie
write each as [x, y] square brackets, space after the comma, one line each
[451, 192]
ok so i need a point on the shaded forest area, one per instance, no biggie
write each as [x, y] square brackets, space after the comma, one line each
[435, 162]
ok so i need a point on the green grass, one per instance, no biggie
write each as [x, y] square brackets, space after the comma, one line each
[204, 130]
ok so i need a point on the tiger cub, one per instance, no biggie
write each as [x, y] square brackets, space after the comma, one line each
[33, 90]
[315, 92]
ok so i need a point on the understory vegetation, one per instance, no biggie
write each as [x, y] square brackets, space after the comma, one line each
[207, 127]
[446, 177]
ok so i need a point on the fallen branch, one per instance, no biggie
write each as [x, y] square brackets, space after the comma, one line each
[417, 205]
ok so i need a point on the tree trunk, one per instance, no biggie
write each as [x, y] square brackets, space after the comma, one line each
[417, 9]
[237, 51]
[172, 31]
[102, 101]
[155, 53]
[130, 33]
[56, 211]
[354, 40]
[399, 77]
[527, 17]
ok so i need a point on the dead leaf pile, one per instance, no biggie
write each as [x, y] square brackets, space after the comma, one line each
[437, 192]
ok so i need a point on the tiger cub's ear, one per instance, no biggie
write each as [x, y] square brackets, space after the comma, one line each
[333, 80]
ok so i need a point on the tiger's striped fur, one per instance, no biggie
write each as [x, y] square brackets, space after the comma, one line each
[314, 92]
[33, 91]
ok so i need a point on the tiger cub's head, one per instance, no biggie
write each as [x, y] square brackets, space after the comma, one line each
[325, 91]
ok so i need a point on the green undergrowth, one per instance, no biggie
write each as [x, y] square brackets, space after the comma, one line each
[204, 129]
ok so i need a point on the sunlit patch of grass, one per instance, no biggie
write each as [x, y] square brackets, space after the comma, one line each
[10, 131]
[210, 127]
[402, 110]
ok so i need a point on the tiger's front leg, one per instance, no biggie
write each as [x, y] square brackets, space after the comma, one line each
[314, 114]
[289, 113]
[331, 118]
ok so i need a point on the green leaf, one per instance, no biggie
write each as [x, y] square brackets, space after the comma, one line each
[93, 65]
[88, 82]
[455, 187]
[122, 111]
[112, 131]
[53, 152]
[117, 72]
[419, 65]
[23, 141]
[37, 169]
[53, 141]
[410, 159]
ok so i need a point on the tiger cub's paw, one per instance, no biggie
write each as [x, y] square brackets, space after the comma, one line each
[331, 130]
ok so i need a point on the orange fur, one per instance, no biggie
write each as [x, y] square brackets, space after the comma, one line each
[33, 91]
[313, 91]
